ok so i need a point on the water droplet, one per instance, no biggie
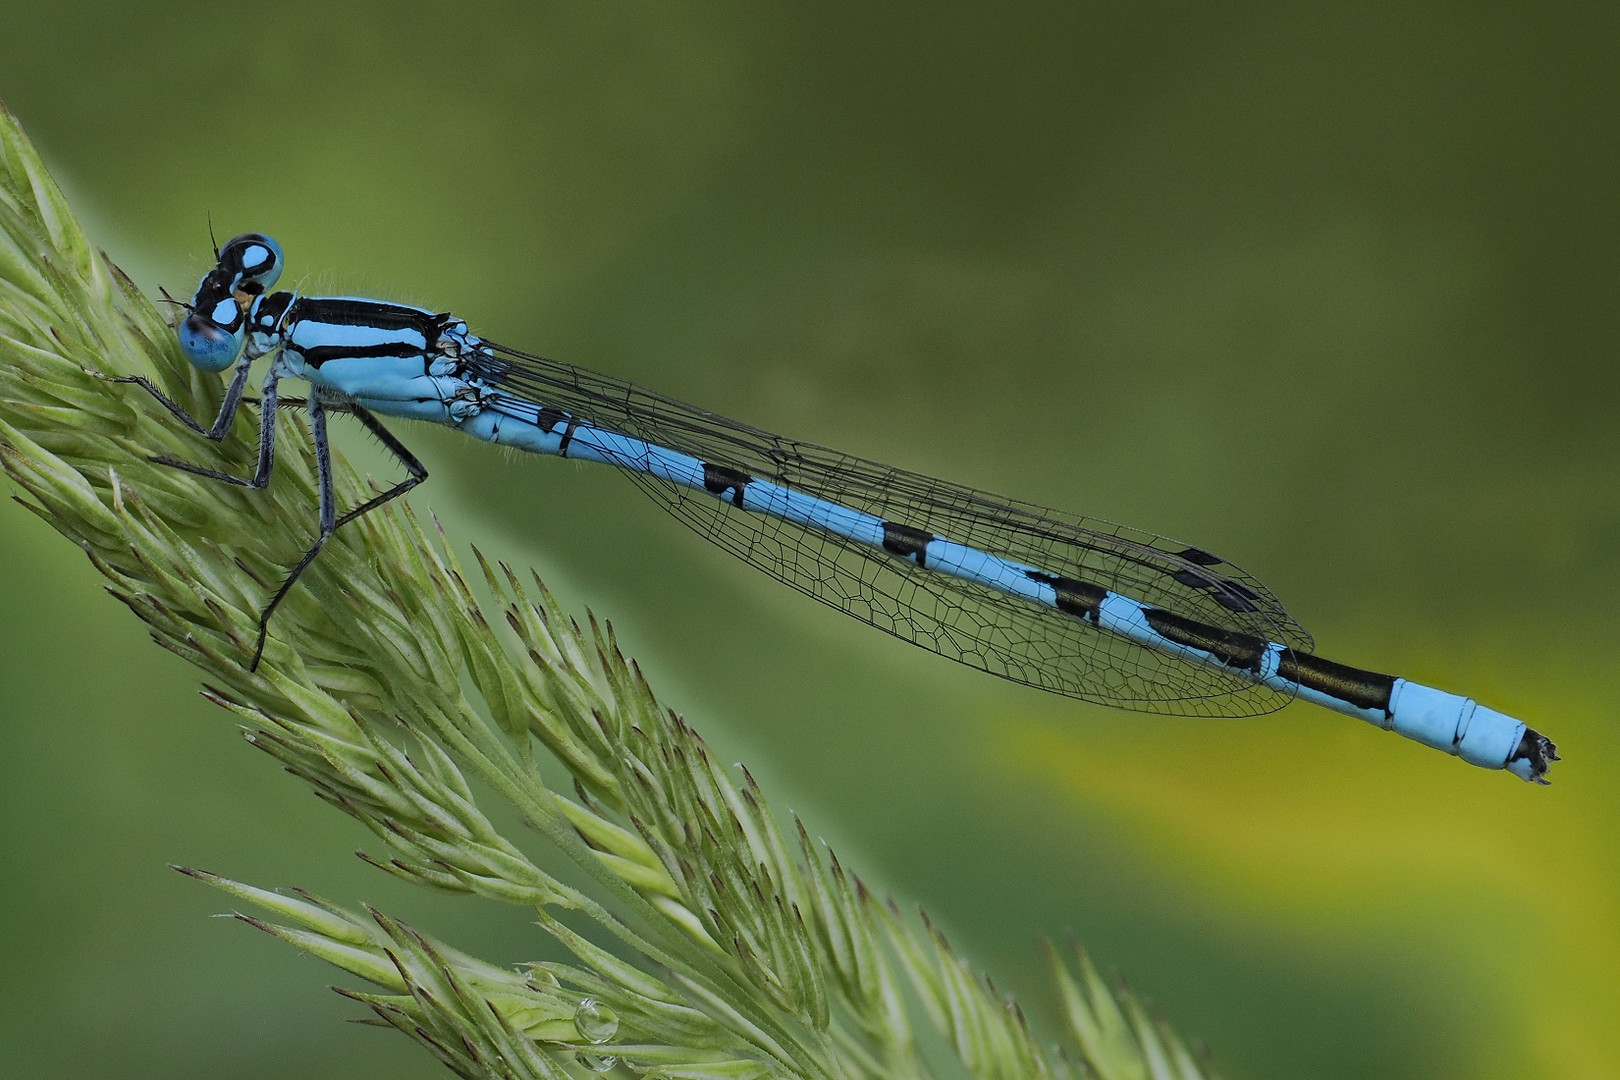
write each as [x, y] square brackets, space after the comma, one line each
[597, 1063]
[596, 1023]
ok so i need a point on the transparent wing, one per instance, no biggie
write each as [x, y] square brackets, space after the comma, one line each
[1017, 639]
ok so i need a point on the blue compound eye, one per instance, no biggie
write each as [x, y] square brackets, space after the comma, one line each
[254, 260]
[207, 344]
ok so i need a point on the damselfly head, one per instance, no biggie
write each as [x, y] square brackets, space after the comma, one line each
[211, 335]
[250, 263]
[209, 344]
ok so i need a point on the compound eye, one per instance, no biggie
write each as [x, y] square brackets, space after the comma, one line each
[207, 344]
[254, 260]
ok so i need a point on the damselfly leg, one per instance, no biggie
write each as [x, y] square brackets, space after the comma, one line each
[317, 407]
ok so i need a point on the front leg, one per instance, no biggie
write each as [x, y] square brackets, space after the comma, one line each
[267, 434]
[227, 408]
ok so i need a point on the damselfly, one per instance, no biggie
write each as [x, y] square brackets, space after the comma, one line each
[1064, 603]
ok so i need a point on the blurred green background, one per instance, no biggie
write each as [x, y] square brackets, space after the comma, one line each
[1328, 291]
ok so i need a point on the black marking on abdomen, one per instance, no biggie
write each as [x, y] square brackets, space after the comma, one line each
[1242, 651]
[718, 479]
[1363, 689]
[906, 542]
[1537, 749]
[548, 418]
[1081, 599]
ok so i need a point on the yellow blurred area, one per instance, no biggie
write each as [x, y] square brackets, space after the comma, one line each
[1351, 839]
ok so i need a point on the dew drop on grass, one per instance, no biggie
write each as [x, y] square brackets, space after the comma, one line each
[595, 1023]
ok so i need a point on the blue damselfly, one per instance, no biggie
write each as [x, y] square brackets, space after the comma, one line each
[1057, 601]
